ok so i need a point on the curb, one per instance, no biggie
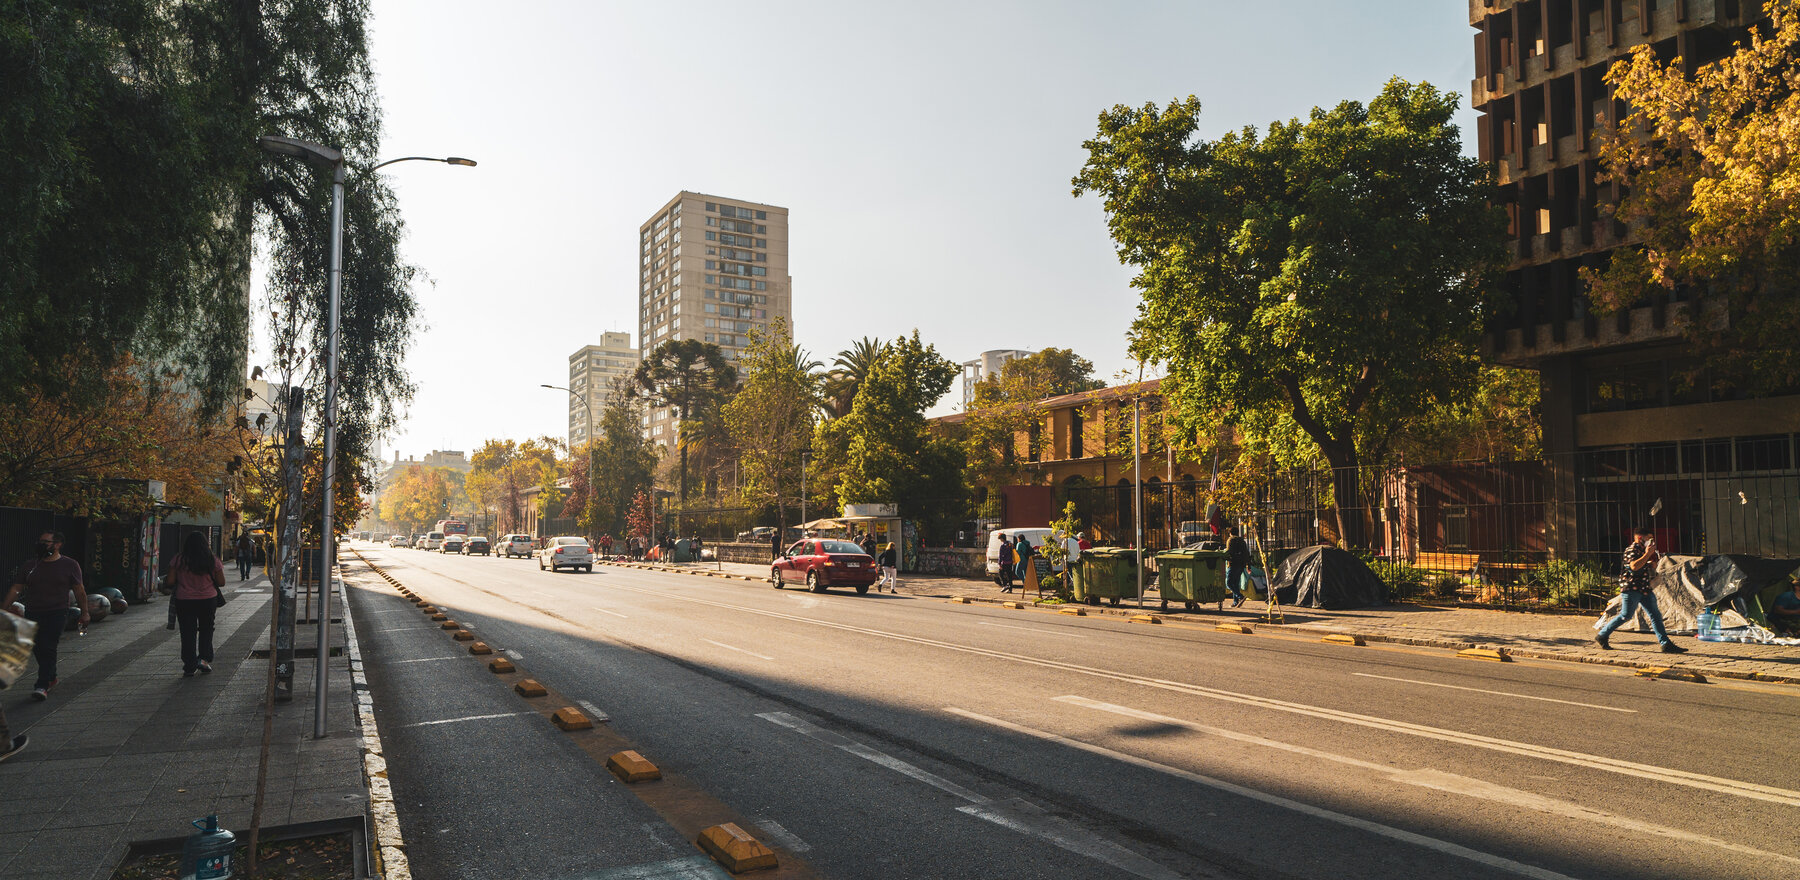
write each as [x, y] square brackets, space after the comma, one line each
[390, 861]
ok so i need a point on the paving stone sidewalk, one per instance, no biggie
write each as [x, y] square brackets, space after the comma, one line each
[127, 750]
[1548, 636]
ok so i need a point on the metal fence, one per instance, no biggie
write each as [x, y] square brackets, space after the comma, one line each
[1525, 533]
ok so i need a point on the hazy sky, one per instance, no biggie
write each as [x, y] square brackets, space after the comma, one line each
[923, 149]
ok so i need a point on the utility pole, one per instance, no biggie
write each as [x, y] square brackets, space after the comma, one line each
[293, 459]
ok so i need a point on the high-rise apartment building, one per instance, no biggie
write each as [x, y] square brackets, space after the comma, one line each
[592, 371]
[714, 269]
[990, 363]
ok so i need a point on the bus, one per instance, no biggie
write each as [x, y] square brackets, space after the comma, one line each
[451, 527]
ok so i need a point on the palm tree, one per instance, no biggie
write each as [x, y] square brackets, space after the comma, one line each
[817, 381]
[849, 369]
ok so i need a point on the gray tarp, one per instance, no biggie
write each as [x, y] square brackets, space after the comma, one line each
[1686, 585]
[1326, 577]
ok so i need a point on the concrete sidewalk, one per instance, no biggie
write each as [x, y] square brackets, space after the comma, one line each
[127, 751]
[1547, 636]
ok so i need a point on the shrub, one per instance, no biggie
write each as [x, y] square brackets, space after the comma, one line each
[1565, 581]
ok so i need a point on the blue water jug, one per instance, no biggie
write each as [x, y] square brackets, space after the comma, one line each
[1709, 626]
[207, 854]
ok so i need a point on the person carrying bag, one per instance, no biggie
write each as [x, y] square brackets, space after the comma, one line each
[197, 580]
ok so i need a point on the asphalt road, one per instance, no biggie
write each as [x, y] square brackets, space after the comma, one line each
[881, 737]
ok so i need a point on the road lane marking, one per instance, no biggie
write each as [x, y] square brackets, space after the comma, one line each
[844, 743]
[605, 611]
[1033, 629]
[689, 868]
[595, 713]
[788, 839]
[515, 655]
[1015, 814]
[467, 718]
[1439, 780]
[421, 660]
[1495, 693]
[739, 650]
[1738, 788]
[1431, 843]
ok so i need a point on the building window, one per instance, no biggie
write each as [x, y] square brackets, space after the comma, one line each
[1456, 528]
[711, 207]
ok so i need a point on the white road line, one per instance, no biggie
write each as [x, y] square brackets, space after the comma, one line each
[1495, 693]
[1738, 788]
[1015, 814]
[1431, 843]
[1442, 781]
[421, 660]
[690, 868]
[595, 713]
[739, 650]
[513, 654]
[788, 839]
[1033, 629]
[837, 741]
[466, 718]
[607, 611]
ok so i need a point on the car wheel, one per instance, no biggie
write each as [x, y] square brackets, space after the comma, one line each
[540, 565]
[775, 577]
[862, 589]
[812, 582]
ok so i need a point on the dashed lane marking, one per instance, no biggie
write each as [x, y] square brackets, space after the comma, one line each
[1455, 687]
[737, 649]
[786, 838]
[467, 718]
[608, 611]
[1033, 629]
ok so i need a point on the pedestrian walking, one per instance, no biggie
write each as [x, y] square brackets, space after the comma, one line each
[1023, 551]
[868, 543]
[1237, 562]
[1004, 577]
[890, 569]
[1634, 592]
[244, 552]
[50, 588]
[775, 545]
[198, 579]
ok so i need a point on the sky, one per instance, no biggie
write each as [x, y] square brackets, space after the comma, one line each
[923, 149]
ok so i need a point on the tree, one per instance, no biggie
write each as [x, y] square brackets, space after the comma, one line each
[1331, 274]
[849, 369]
[1006, 407]
[624, 462]
[1710, 162]
[891, 454]
[690, 376]
[417, 498]
[771, 418]
[641, 520]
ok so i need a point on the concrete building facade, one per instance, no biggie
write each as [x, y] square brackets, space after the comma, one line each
[592, 371]
[710, 268]
[1619, 426]
[974, 372]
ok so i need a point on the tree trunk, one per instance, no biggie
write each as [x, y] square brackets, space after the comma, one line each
[1346, 495]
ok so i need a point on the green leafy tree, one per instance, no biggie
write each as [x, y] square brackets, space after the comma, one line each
[848, 370]
[624, 463]
[1006, 409]
[771, 418]
[891, 454]
[1330, 274]
[1710, 162]
[693, 378]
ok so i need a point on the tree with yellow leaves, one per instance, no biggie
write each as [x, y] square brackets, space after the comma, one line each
[1711, 163]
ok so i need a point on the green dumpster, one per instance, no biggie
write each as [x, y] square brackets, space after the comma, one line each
[1192, 576]
[1109, 573]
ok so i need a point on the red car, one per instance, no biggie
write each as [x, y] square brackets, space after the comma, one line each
[824, 562]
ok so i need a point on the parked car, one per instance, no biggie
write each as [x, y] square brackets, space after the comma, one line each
[475, 546]
[1037, 537]
[825, 562]
[566, 552]
[451, 544]
[514, 545]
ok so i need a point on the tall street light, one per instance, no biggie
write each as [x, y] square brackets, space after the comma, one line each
[333, 159]
[590, 445]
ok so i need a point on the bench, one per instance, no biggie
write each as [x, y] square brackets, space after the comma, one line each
[1448, 563]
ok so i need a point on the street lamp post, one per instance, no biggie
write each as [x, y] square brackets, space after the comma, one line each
[589, 409]
[332, 158]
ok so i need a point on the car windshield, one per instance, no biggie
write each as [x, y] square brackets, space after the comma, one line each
[840, 547]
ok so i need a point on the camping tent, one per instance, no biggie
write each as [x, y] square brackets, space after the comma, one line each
[1686, 585]
[1326, 577]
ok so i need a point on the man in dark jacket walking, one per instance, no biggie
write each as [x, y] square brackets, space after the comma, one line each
[1237, 561]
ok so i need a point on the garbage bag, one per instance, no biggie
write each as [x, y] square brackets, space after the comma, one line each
[17, 636]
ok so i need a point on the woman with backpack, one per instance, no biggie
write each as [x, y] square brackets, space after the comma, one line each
[197, 578]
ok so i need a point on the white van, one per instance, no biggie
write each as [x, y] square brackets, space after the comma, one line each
[1037, 537]
[432, 541]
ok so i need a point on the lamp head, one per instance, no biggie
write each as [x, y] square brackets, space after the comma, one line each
[317, 154]
[458, 160]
